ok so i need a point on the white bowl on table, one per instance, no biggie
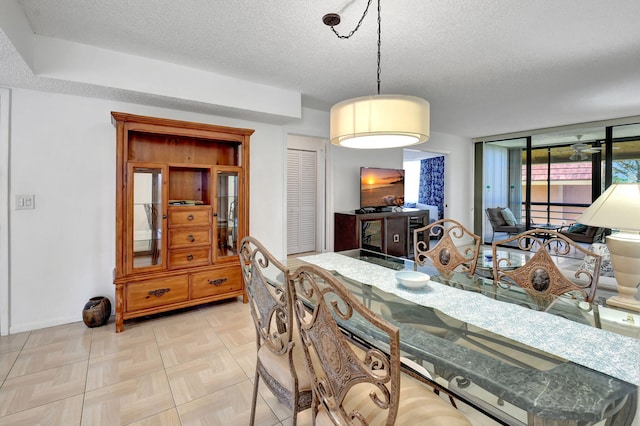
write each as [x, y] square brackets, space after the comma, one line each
[412, 279]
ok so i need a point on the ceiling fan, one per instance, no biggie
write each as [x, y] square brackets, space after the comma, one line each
[581, 150]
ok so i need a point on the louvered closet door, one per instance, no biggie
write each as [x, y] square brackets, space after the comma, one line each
[301, 201]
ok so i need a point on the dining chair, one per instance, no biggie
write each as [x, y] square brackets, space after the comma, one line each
[280, 360]
[540, 276]
[455, 247]
[355, 383]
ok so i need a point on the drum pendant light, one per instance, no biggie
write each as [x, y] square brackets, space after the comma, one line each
[377, 121]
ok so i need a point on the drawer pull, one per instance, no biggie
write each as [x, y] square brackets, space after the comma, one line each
[190, 217]
[159, 292]
[217, 282]
[190, 257]
[190, 238]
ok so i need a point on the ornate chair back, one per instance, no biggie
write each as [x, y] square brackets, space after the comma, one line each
[357, 384]
[279, 362]
[339, 369]
[540, 276]
[445, 254]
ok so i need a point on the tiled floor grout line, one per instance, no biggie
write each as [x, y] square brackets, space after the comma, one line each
[86, 378]
[164, 369]
[248, 377]
[48, 402]
[15, 360]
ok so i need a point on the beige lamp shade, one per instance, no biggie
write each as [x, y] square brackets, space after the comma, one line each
[380, 121]
[618, 208]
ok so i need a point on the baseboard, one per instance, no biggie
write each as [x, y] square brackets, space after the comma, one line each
[37, 325]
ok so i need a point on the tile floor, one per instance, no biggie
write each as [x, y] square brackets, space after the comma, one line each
[193, 367]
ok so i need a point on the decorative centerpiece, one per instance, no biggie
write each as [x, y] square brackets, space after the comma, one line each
[412, 279]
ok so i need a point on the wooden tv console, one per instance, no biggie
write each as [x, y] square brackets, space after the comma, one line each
[386, 232]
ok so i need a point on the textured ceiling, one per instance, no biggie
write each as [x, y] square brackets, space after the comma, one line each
[487, 67]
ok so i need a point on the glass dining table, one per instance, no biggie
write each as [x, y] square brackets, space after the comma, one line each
[516, 358]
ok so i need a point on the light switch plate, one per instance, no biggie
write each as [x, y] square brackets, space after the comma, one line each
[25, 202]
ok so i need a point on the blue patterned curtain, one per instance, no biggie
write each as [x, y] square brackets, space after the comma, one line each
[431, 190]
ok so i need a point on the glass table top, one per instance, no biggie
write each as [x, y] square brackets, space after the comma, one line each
[512, 259]
[476, 351]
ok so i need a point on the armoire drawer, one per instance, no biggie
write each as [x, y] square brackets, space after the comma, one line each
[187, 258]
[187, 237]
[205, 284]
[157, 292]
[187, 216]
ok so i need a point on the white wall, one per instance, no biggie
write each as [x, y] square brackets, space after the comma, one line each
[62, 252]
[62, 150]
[411, 181]
[5, 95]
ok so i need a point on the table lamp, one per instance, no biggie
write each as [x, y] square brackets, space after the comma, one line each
[619, 208]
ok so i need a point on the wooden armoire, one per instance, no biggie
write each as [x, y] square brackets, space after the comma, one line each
[182, 207]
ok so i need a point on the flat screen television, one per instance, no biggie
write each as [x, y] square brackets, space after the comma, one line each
[381, 187]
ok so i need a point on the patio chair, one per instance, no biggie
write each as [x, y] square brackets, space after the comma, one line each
[583, 233]
[500, 224]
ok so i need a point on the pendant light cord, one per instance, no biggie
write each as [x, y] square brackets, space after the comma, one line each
[358, 27]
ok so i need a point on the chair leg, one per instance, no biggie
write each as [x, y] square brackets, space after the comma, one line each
[254, 399]
[453, 402]
[294, 410]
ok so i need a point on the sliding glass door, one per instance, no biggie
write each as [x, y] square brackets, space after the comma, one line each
[552, 178]
[561, 184]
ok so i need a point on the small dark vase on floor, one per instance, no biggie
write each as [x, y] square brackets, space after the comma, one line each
[96, 311]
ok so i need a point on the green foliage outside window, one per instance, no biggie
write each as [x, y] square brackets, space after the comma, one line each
[626, 171]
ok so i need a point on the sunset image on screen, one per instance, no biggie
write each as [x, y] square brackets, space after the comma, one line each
[381, 187]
